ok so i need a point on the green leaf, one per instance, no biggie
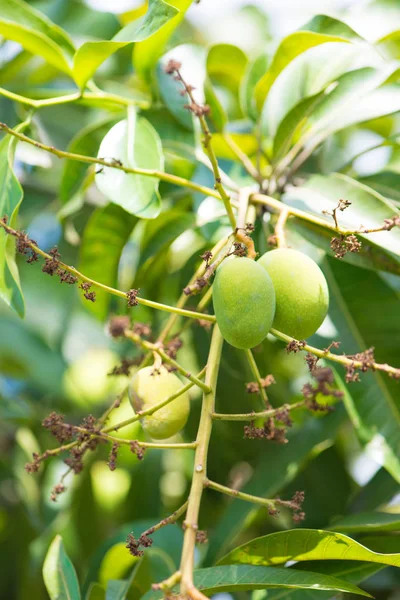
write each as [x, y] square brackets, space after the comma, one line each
[368, 208]
[372, 406]
[331, 26]
[378, 491]
[95, 592]
[290, 47]
[356, 99]
[104, 238]
[193, 70]
[117, 589]
[353, 572]
[254, 71]
[278, 466]
[59, 574]
[386, 183]
[305, 544]
[369, 522]
[236, 578]
[36, 33]
[307, 75]
[389, 45]
[136, 144]
[147, 52]
[92, 54]
[11, 195]
[226, 65]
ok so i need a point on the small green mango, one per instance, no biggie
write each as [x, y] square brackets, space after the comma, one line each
[302, 296]
[244, 302]
[148, 387]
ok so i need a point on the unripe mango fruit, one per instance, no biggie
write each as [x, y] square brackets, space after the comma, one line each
[302, 296]
[150, 386]
[244, 302]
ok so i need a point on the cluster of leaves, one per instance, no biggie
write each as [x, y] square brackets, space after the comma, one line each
[287, 123]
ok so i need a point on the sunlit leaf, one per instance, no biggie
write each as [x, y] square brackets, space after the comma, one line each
[235, 578]
[305, 544]
[92, 54]
[147, 52]
[36, 33]
[11, 195]
[293, 45]
[136, 145]
[59, 574]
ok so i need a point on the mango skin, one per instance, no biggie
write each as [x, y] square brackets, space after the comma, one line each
[149, 387]
[302, 295]
[244, 302]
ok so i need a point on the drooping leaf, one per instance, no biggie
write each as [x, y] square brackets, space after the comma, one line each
[36, 33]
[305, 544]
[59, 574]
[331, 26]
[368, 522]
[147, 52]
[104, 238]
[368, 208]
[290, 47]
[373, 403]
[351, 571]
[92, 54]
[307, 75]
[136, 144]
[236, 578]
[11, 195]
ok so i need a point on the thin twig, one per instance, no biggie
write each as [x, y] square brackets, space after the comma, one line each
[112, 163]
[150, 303]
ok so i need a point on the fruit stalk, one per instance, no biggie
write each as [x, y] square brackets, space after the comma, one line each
[200, 467]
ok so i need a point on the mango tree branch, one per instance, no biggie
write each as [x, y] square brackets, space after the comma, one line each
[173, 68]
[280, 207]
[81, 277]
[73, 97]
[112, 163]
[265, 414]
[236, 494]
[200, 468]
[346, 361]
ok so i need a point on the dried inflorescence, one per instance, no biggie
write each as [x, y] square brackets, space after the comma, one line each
[134, 545]
[343, 244]
[137, 449]
[112, 459]
[295, 346]
[253, 388]
[132, 297]
[172, 347]
[118, 325]
[199, 110]
[91, 296]
[124, 368]
[269, 431]
[324, 386]
[54, 423]
[201, 536]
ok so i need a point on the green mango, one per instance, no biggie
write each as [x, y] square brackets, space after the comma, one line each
[302, 295]
[244, 302]
[152, 385]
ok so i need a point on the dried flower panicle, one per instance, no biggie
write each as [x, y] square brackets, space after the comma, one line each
[112, 459]
[201, 536]
[58, 489]
[85, 286]
[345, 243]
[295, 346]
[132, 297]
[134, 545]
[137, 449]
[172, 347]
[117, 325]
[324, 386]
[55, 424]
